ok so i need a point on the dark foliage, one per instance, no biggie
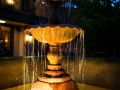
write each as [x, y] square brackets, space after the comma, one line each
[101, 23]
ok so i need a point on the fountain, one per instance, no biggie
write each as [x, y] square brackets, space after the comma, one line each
[54, 33]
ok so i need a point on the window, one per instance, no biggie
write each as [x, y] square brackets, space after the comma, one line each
[6, 35]
[25, 5]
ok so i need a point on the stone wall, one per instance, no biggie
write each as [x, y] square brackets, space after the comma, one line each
[11, 72]
[96, 72]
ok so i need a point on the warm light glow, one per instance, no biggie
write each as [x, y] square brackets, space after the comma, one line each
[2, 21]
[11, 2]
[6, 40]
[28, 38]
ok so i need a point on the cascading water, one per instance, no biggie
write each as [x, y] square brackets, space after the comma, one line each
[36, 62]
[56, 34]
[73, 58]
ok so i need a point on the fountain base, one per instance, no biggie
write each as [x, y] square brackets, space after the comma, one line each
[69, 85]
[54, 78]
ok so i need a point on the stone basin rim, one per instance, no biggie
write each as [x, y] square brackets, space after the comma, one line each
[55, 25]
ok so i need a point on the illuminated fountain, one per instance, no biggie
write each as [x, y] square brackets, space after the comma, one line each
[55, 33]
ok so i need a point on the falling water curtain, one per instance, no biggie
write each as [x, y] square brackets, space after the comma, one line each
[1, 33]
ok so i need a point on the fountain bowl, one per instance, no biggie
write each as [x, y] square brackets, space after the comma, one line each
[54, 34]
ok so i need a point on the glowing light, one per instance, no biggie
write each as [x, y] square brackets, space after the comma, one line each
[75, 6]
[2, 21]
[28, 38]
[43, 3]
[11, 2]
[6, 40]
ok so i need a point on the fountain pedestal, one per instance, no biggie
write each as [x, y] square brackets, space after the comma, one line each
[55, 77]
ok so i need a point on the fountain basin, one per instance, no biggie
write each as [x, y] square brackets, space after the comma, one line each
[54, 34]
